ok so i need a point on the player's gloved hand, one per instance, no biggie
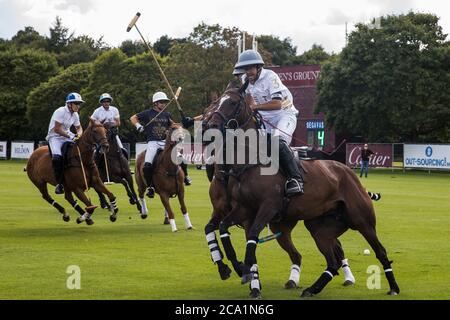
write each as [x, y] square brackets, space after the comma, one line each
[139, 127]
[187, 122]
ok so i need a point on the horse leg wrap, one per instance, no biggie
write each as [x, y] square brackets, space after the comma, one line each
[374, 196]
[114, 205]
[77, 207]
[250, 252]
[295, 273]
[187, 221]
[57, 206]
[228, 247]
[214, 248]
[255, 283]
[348, 275]
[323, 280]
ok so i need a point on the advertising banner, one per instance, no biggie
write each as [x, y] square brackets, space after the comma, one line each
[382, 156]
[22, 149]
[427, 156]
[3, 146]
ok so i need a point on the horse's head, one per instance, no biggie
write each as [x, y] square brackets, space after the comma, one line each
[175, 135]
[111, 131]
[95, 134]
[230, 111]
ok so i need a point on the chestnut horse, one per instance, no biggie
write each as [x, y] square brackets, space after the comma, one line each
[334, 201]
[40, 172]
[168, 178]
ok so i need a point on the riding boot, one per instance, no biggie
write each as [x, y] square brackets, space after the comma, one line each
[294, 184]
[187, 180]
[148, 175]
[58, 167]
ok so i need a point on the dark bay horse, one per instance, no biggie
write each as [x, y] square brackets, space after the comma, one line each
[40, 172]
[334, 201]
[217, 175]
[115, 168]
[168, 179]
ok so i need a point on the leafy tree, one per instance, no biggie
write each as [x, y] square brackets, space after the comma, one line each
[132, 48]
[50, 95]
[131, 82]
[282, 51]
[20, 72]
[59, 36]
[29, 38]
[391, 83]
[315, 55]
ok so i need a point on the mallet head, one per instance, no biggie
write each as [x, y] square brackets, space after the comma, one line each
[133, 21]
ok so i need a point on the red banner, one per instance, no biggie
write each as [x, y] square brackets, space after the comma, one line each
[382, 156]
[298, 76]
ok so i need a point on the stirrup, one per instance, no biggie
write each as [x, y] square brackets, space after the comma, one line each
[150, 192]
[59, 189]
[293, 187]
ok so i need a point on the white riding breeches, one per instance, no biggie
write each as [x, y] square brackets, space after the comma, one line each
[152, 147]
[56, 143]
[282, 125]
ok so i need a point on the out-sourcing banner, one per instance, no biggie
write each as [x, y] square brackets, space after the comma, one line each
[3, 146]
[428, 156]
[22, 149]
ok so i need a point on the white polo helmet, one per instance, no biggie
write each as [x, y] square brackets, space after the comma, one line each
[74, 97]
[105, 96]
[160, 96]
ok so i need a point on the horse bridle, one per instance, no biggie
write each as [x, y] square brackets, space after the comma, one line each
[227, 121]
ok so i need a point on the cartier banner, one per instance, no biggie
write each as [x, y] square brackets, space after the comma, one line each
[382, 156]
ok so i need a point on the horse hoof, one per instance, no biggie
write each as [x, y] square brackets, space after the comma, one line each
[132, 202]
[190, 228]
[239, 269]
[105, 206]
[393, 292]
[89, 222]
[66, 218]
[225, 272]
[166, 221]
[112, 218]
[290, 285]
[144, 216]
[348, 283]
[255, 293]
[79, 221]
[306, 293]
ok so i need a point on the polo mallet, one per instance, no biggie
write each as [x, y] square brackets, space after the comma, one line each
[176, 97]
[130, 26]
[268, 238]
[107, 171]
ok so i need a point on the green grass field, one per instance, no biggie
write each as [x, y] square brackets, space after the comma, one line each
[143, 259]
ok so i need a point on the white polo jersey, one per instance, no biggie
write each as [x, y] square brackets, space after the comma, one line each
[66, 118]
[103, 115]
[269, 87]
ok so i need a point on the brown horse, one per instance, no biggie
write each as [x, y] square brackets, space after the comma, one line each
[334, 201]
[115, 168]
[168, 179]
[40, 172]
[218, 176]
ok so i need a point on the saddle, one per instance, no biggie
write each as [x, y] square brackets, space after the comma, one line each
[65, 148]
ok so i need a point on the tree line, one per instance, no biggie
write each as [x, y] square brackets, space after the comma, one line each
[387, 84]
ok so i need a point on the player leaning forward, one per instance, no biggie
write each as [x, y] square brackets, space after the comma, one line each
[274, 102]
